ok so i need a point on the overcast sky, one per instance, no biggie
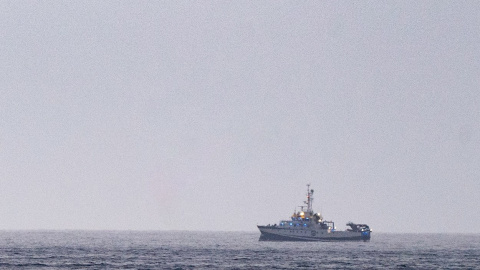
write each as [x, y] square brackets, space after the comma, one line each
[214, 115]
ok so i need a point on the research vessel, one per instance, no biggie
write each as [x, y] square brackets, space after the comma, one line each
[306, 225]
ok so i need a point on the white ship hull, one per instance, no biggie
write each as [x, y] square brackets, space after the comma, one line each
[273, 233]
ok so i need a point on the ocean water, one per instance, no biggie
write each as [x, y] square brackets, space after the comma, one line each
[230, 250]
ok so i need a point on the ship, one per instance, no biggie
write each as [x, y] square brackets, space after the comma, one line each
[306, 225]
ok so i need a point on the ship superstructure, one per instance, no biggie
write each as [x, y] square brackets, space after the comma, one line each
[306, 225]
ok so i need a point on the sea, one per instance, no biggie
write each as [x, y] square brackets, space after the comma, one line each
[231, 250]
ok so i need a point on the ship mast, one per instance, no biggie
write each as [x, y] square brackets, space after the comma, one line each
[309, 199]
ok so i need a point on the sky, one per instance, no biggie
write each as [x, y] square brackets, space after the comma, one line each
[214, 115]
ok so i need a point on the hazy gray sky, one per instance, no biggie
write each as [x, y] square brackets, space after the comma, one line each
[213, 115]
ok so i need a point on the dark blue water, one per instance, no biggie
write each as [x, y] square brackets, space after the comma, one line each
[230, 250]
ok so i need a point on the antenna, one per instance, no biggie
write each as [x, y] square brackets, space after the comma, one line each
[309, 199]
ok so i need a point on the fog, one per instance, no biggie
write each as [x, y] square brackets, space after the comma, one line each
[214, 115]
